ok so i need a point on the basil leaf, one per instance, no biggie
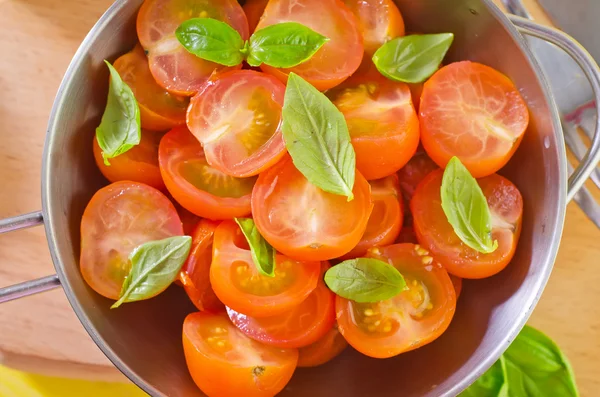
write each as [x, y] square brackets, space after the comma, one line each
[120, 128]
[490, 384]
[412, 59]
[154, 266]
[466, 208]
[263, 254]
[284, 45]
[317, 138]
[365, 280]
[212, 40]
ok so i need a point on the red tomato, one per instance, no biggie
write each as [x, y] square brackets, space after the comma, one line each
[411, 319]
[118, 218]
[195, 273]
[138, 164]
[435, 233]
[300, 326]
[407, 235]
[338, 58]
[414, 172]
[237, 118]
[198, 187]
[189, 220]
[385, 221]
[457, 282]
[304, 222]
[173, 67]
[383, 124]
[379, 20]
[225, 362]
[254, 10]
[473, 112]
[323, 350]
[416, 89]
[159, 110]
[239, 285]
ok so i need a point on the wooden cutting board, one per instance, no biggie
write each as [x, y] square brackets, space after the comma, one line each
[42, 334]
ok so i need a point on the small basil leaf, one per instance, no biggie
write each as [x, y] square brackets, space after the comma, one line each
[120, 128]
[365, 280]
[263, 254]
[490, 384]
[317, 138]
[284, 45]
[412, 59]
[466, 208]
[212, 40]
[154, 266]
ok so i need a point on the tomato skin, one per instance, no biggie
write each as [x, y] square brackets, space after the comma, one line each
[138, 164]
[435, 233]
[336, 22]
[413, 318]
[414, 172]
[492, 126]
[118, 218]
[325, 349]
[334, 227]
[237, 367]
[180, 153]
[254, 10]
[457, 282]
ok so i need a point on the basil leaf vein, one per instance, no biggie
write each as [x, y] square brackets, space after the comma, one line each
[263, 254]
[211, 39]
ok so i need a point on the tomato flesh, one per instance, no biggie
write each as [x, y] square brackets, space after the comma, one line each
[325, 349]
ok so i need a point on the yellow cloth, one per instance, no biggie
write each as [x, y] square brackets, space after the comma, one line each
[20, 384]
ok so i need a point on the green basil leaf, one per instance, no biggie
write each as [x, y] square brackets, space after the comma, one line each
[263, 254]
[154, 266]
[284, 45]
[466, 208]
[212, 40]
[535, 366]
[120, 128]
[412, 59]
[490, 384]
[317, 138]
[365, 280]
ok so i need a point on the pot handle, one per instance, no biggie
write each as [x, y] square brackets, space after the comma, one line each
[33, 286]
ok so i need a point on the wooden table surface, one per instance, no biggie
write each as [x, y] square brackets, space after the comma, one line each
[42, 334]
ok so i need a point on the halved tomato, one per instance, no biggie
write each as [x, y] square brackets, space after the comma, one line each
[473, 112]
[173, 67]
[304, 222]
[414, 172]
[254, 10]
[195, 273]
[138, 164]
[383, 124]
[198, 187]
[159, 110]
[380, 21]
[298, 327]
[435, 233]
[323, 350]
[338, 58]
[118, 218]
[237, 118]
[225, 362]
[385, 221]
[239, 285]
[411, 319]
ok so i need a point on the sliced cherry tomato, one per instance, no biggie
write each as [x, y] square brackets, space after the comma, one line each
[338, 58]
[457, 282]
[198, 187]
[189, 220]
[195, 273]
[237, 118]
[473, 112]
[254, 10]
[380, 21]
[138, 164]
[385, 221]
[409, 320]
[323, 350]
[159, 110]
[118, 218]
[383, 124]
[239, 285]
[304, 222]
[414, 172]
[435, 233]
[173, 67]
[225, 362]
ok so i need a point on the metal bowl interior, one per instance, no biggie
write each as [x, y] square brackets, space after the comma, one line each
[144, 339]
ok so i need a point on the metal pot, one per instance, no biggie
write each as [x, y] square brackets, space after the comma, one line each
[143, 339]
